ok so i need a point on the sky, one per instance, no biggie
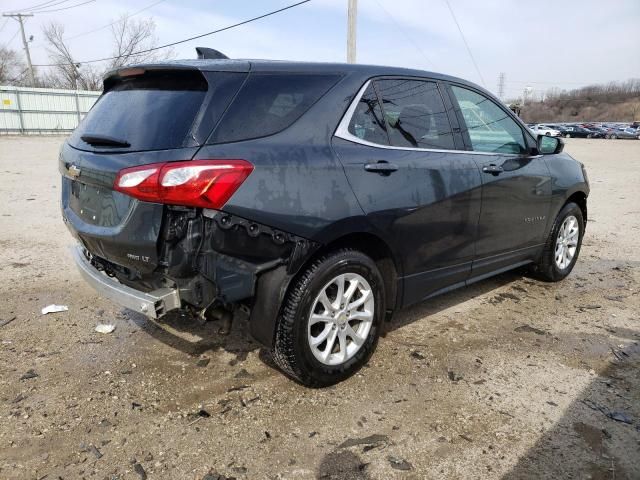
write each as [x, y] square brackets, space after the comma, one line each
[542, 44]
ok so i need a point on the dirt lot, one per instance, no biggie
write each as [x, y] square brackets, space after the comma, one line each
[510, 378]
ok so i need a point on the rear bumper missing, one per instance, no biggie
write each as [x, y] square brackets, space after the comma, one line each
[153, 304]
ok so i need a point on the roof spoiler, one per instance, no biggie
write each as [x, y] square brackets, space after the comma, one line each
[210, 54]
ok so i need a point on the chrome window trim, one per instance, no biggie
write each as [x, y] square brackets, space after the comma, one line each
[343, 130]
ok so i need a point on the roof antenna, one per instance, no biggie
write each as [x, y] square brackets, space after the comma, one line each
[210, 53]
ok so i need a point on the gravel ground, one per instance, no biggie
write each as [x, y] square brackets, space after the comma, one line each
[510, 378]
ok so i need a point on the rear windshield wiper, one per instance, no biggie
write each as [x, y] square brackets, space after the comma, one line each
[104, 140]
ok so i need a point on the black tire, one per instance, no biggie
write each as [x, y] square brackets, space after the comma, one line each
[546, 268]
[291, 351]
[567, 135]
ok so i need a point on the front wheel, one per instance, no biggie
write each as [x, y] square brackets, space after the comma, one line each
[563, 245]
[331, 319]
[567, 135]
[613, 136]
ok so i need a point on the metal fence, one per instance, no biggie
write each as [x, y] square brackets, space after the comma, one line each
[43, 110]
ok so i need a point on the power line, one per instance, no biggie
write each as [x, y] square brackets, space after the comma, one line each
[33, 7]
[465, 42]
[114, 22]
[50, 5]
[4, 24]
[406, 34]
[229, 27]
[66, 8]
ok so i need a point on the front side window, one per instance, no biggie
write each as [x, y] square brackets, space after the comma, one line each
[415, 114]
[489, 127]
[367, 122]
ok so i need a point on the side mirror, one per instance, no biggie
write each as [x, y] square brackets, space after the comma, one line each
[549, 145]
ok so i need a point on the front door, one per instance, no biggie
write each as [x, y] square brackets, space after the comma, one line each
[417, 190]
[516, 186]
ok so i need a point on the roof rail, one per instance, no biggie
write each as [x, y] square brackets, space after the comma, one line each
[210, 53]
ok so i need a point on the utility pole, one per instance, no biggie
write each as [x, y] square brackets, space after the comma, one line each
[20, 18]
[525, 93]
[501, 86]
[352, 21]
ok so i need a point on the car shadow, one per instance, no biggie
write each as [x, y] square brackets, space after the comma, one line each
[434, 305]
[598, 435]
[188, 334]
[184, 332]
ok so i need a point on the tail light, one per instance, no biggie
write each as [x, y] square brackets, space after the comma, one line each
[195, 183]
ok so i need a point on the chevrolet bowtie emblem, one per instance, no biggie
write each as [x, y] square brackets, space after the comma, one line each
[74, 171]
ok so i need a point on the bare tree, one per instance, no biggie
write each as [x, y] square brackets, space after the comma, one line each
[12, 69]
[67, 73]
[129, 36]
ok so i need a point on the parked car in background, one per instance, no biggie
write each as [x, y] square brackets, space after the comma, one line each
[580, 132]
[627, 133]
[544, 130]
[597, 132]
[318, 198]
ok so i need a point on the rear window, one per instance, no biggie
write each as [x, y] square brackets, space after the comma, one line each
[153, 111]
[269, 103]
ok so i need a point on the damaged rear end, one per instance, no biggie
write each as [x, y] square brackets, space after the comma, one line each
[148, 212]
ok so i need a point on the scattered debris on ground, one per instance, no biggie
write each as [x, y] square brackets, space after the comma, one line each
[54, 309]
[105, 328]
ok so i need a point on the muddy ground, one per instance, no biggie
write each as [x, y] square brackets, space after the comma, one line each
[510, 378]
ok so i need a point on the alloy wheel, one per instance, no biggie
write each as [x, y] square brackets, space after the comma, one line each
[341, 319]
[567, 242]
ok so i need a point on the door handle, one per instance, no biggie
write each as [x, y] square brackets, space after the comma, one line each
[382, 167]
[493, 169]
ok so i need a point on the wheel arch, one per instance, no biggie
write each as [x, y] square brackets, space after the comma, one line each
[580, 198]
[380, 252]
[272, 286]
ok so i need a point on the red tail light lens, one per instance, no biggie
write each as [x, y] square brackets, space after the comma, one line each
[196, 183]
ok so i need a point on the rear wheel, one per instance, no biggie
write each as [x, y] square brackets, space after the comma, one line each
[563, 245]
[567, 135]
[330, 320]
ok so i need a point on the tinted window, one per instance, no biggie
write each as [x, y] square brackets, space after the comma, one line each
[367, 122]
[269, 103]
[415, 114]
[153, 111]
[490, 128]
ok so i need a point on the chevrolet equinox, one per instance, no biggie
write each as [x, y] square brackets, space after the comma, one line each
[319, 198]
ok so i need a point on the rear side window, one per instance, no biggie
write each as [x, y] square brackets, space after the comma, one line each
[367, 122]
[153, 111]
[269, 103]
[415, 114]
[490, 128]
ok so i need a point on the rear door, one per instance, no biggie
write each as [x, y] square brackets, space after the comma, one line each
[516, 186]
[142, 117]
[398, 145]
